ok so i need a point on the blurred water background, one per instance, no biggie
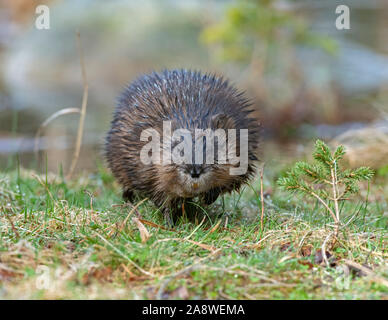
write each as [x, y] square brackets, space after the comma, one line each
[306, 78]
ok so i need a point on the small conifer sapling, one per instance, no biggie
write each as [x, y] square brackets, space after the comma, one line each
[324, 180]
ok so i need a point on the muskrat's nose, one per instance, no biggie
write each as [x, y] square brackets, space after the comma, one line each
[195, 172]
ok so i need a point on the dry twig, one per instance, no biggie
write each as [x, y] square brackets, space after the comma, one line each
[83, 111]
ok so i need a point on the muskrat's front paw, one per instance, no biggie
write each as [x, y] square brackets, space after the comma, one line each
[211, 196]
[128, 195]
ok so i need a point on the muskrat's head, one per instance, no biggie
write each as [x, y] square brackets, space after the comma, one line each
[198, 160]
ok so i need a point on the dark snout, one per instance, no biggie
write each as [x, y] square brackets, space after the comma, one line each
[195, 171]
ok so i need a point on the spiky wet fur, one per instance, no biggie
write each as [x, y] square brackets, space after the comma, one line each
[189, 100]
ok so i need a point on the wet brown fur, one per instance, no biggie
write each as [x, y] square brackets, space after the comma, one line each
[189, 100]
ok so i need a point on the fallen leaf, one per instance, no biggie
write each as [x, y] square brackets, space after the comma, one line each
[306, 263]
[6, 275]
[318, 258]
[285, 246]
[215, 227]
[101, 274]
[306, 251]
[144, 234]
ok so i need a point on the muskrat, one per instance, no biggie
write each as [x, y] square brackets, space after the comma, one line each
[191, 101]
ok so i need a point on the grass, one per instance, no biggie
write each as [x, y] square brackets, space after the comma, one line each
[78, 240]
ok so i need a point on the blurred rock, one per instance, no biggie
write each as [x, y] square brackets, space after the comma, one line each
[365, 146]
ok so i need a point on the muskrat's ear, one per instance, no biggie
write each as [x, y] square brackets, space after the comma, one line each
[222, 121]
